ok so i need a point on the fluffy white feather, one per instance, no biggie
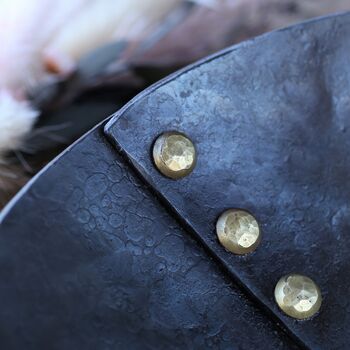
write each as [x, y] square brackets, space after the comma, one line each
[101, 22]
[39, 37]
[16, 120]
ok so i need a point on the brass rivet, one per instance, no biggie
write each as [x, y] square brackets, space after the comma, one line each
[238, 231]
[298, 296]
[174, 154]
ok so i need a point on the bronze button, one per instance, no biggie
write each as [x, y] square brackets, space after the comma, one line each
[238, 231]
[174, 154]
[298, 296]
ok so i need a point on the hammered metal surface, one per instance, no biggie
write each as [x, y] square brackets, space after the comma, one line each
[270, 119]
[298, 296]
[89, 259]
[238, 231]
[174, 154]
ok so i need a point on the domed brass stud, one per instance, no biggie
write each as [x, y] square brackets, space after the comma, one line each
[298, 296]
[238, 231]
[174, 154]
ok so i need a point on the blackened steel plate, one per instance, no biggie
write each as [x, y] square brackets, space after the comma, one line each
[271, 122]
[89, 259]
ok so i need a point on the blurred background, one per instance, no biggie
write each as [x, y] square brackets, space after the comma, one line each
[68, 64]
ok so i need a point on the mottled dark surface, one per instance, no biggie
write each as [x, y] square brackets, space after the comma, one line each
[270, 119]
[89, 259]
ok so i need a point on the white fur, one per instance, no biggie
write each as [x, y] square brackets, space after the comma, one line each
[101, 22]
[37, 32]
[16, 120]
[41, 36]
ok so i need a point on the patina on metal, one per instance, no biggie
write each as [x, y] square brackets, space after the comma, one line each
[174, 154]
[238, 231]
[298, 296]
[270, 119]
[101, 250]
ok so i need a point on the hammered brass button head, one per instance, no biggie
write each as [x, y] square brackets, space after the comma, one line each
[238, 231]
[298, 296]
[174, 154]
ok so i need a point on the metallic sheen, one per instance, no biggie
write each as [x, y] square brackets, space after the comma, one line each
[298, 296]
[174, 154]
[238, 231]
